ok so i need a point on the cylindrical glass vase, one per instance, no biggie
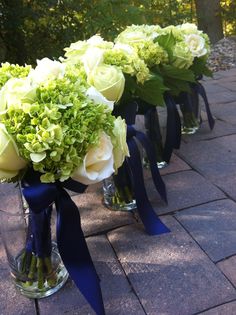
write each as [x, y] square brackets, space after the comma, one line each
[118, 191]
[191, 113]
[33, 276]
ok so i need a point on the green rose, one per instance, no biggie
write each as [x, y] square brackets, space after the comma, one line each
[10, 161]
[109, 80]
[183, 58]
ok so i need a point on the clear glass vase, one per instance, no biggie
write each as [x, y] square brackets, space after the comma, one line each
[191, 113]
[33, 276]
[118, 191]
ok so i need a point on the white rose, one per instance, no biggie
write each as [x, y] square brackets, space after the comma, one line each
[16, 91]
[10, 161]
[92, 58]
[125, 47]
[98, 41]
[196, 45]
[120, 147]
[188, 28]
[75, 52]
[95, 40]
[128, 37]
[97, 164]
[47, 69]
[98, 98]
[109, 80]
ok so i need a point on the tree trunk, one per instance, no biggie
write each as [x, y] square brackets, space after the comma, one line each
[209, 18]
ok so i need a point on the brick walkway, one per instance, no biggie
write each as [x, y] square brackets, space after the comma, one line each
[191, 270]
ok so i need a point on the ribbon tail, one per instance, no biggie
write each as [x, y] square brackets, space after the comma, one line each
[74, 252]
[201, 90]
[158, 182]
[173, 132]
[152, 223]
[153, 132]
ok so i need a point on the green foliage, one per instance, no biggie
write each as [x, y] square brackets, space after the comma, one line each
[152, 90]
[229, 16]
[199, 67]
[32, 29]
[176, 73]
[176, 79]
[167, 42]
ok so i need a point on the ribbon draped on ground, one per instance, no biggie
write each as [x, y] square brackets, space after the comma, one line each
[199, 89]
[70, 239]
[152, 223]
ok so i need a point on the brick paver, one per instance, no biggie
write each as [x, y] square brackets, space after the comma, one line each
[213, 226]
[169, 272]
[189, 271]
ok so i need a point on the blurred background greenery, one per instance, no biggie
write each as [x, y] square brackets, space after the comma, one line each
[31, 29]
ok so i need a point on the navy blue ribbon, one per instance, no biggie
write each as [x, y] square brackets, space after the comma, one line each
[153, 132]
[199, 88]
[173, 128]
[152, 223]
[70, 238]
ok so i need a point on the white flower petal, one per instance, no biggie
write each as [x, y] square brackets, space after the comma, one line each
[37, 157]
[97, 164]
[98, 98]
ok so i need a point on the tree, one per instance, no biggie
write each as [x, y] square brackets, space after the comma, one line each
[209, 18]
[12, 36]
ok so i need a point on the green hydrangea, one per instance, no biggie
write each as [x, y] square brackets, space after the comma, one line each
[55, 131]
[8, 71]
[151, 53]
[129, 63]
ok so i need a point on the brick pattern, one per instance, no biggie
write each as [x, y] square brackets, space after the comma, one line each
[186, 272]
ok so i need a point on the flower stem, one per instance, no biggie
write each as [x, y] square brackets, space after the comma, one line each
[51, 275]
[40, 272]
[32, 270]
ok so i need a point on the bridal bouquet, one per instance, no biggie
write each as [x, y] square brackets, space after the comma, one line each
[56, 132]
[116, 70]
[177, 53]
[50, 122]
[121, 75]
